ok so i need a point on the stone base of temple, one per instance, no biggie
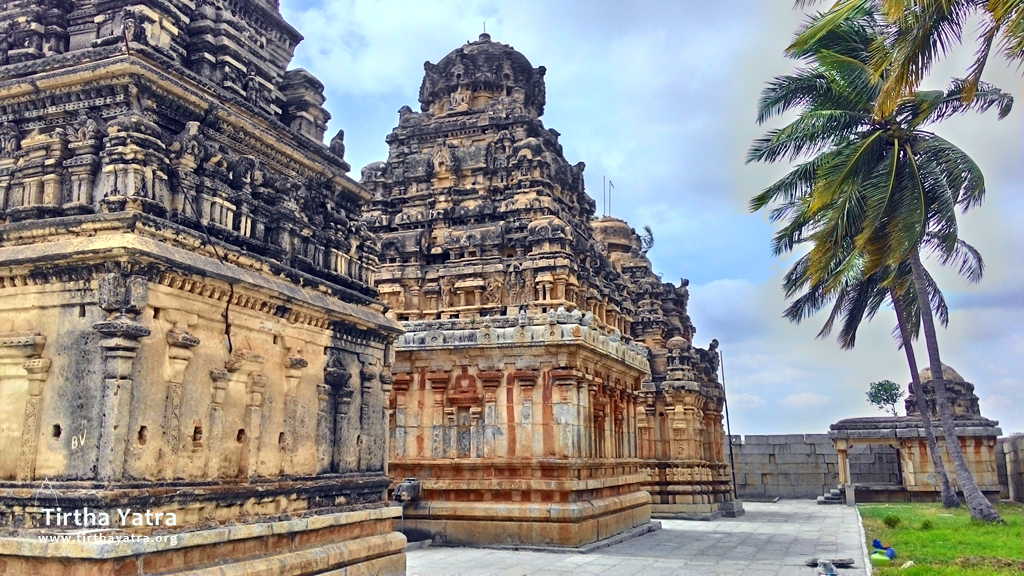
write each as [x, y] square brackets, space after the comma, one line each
[733, 509]
[687, 511]
[872, 493]
[347, 543]
[690, 492]
[527, 524]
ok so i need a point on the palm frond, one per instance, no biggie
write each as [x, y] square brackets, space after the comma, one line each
[814, 30]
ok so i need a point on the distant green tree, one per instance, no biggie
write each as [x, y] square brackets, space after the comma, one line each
[885, 395]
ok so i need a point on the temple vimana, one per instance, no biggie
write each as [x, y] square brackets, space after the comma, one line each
[220, 353]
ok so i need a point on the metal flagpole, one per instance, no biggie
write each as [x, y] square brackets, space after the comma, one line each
[728, 426]
[604, 196]
[610, 188]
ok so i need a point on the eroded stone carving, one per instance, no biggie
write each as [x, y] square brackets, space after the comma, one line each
[168, 175]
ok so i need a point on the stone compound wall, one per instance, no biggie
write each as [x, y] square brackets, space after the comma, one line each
[804, 465]
[1011, 473]
[786, 466]
[874, 464]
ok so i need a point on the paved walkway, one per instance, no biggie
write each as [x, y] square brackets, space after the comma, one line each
[769, 540]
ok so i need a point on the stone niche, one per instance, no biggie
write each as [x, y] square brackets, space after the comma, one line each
[187, 327]
[531, 327]
[916, 472]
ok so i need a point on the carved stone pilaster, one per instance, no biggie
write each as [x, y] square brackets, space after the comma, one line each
[21, 360]
[338, 380]
[257, 386]
[37, 370]
[243, 371]
[179, 353]
[294, 364]
[123, 297]
[371, 420]
[218, 391]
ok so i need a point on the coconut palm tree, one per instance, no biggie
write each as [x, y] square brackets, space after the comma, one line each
[883, 185]
[920, 33]
[859, 298]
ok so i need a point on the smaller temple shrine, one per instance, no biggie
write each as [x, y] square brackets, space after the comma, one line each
[679, 424]
[916, 473]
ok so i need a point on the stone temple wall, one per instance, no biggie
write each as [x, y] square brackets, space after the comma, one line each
[1012, 471]
[805, 465]
[187, 329]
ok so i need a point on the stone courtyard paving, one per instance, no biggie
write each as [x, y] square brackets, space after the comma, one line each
[771, 539]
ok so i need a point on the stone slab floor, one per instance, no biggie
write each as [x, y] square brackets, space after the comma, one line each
[771, 539]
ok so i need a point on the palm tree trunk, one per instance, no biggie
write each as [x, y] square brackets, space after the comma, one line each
[949, 498]
[981, 508]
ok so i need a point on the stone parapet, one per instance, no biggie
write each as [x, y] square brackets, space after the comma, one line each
[540, 331]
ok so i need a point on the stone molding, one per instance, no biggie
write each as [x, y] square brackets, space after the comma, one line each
[525, 336]
[32, 546]
[177, 264]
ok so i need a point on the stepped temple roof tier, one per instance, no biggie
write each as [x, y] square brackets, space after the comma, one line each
[187, 324]
[478, 210]
[529, 324]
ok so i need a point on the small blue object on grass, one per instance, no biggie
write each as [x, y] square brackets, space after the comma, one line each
[885, 553]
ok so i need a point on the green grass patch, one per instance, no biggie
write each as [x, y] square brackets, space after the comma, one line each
[945, 542]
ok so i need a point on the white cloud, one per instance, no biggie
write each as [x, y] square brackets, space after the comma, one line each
[803, 400]
[745, 400]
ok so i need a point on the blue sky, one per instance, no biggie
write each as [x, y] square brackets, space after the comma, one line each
[660, 97]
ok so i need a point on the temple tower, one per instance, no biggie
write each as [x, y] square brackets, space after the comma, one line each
[187, 329]
[516, 383]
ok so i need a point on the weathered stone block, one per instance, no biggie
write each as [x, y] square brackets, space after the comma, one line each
[757, 449]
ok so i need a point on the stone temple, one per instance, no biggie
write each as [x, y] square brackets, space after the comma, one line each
[219, 353]
[546, 389]
[916, 479]
[187, 325]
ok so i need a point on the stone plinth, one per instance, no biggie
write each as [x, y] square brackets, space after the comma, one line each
[519, 434]
[364, 542]
[187, 329]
